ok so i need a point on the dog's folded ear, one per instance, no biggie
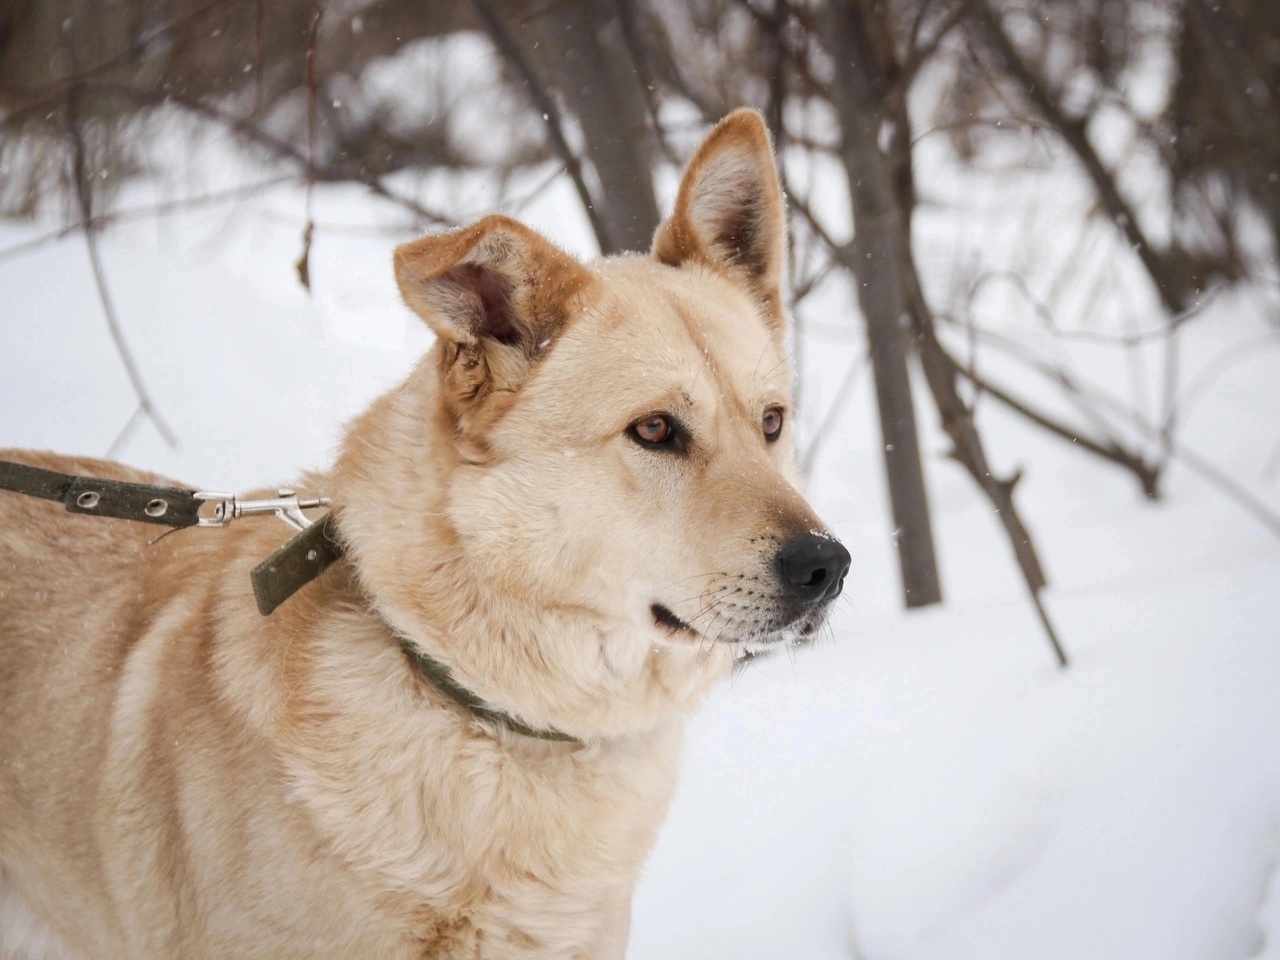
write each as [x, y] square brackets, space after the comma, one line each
[729, 211]
[496, 293]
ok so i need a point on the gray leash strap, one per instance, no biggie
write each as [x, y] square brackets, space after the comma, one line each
[94, 496]
[275, 580]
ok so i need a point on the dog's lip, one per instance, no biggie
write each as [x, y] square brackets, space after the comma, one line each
[664, 617]
[798, 630]
[793, 632]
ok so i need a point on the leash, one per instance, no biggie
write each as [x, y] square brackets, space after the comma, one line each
[299, 561]
[274, 581]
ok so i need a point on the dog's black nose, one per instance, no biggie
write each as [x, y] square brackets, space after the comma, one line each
[812, 567]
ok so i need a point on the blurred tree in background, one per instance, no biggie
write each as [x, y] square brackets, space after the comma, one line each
[1166, 111]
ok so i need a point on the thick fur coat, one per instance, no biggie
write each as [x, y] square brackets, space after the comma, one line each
[581, 501]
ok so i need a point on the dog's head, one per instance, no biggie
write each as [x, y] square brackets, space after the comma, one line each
[608, 444]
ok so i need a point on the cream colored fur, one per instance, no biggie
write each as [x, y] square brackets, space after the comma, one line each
[183, 778]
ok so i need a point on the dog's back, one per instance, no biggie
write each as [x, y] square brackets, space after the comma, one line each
[67, 612]
[109, 702]
[68, 616]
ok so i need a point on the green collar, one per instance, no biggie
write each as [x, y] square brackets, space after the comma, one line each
[440, 676]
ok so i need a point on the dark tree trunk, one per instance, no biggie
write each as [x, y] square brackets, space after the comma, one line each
[582, 51]
[868, 98]
[881, 228]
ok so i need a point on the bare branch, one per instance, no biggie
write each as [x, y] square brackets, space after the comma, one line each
[1198, 463]
[101, 220]
[1217, 367]
[648, 82]
[918, 54]
[43, 95]
[1271, 468]
[334, 173]
[826, 427]
[1148, 474]
[545, 103]
[1072, 131]
[126, 432]
[1011, 122]
[80, 175]
[303, 265]
[1229, 486]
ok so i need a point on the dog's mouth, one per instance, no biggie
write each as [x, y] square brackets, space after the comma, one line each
[663, 616]
[752, 639]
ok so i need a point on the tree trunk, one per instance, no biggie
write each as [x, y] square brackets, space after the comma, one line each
[581, 50]
[870, 104]
[879, 223]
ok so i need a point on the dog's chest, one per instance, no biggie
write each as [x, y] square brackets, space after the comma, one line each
[486, 853]
[538, 871]
[522, 924]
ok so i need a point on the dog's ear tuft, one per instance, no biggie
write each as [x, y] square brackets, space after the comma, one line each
[729, 211]
[495, 317]
[494, 283]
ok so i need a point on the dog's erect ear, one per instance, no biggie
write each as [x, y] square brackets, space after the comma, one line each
[495, 281]
[496, 293]
[729, 212]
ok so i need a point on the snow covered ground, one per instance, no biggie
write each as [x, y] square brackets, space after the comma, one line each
[914, 786]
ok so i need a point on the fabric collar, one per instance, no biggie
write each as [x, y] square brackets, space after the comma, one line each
[443, 680]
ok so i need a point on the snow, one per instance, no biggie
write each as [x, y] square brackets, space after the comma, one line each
[913, 786]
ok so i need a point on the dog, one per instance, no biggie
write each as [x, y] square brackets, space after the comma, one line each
[569, 521]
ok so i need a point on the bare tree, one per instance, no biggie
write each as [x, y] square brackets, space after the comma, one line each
[865, 98]
[591, 89]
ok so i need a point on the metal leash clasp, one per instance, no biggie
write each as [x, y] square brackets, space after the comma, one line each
[287, 506]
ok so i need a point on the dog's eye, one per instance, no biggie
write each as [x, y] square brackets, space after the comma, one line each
[655, 430]
[772, 423]
[659, 431]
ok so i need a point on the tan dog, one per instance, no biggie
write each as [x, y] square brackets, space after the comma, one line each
[581, 502]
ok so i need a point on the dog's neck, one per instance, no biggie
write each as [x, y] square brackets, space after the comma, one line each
[440, 677]
[554, 665]
[532, 677]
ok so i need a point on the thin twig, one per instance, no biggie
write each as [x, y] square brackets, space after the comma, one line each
[331, 173]
[260, 54]
[126, 432]
[648, 83]
[826, 427]
[1271, 468]
[1148, 474]
[303, 266]
[79, 173]
[163, 208]
[544, 102]
[1072, 130]
[1228, 485]
[1217, 477]
[1012, 122]
[801, 206]
[57, 89]
[1219, 365]
[919, 54]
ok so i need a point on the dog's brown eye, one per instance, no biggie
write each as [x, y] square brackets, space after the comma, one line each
[660, 431]
[655, 429]
[772, 423]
